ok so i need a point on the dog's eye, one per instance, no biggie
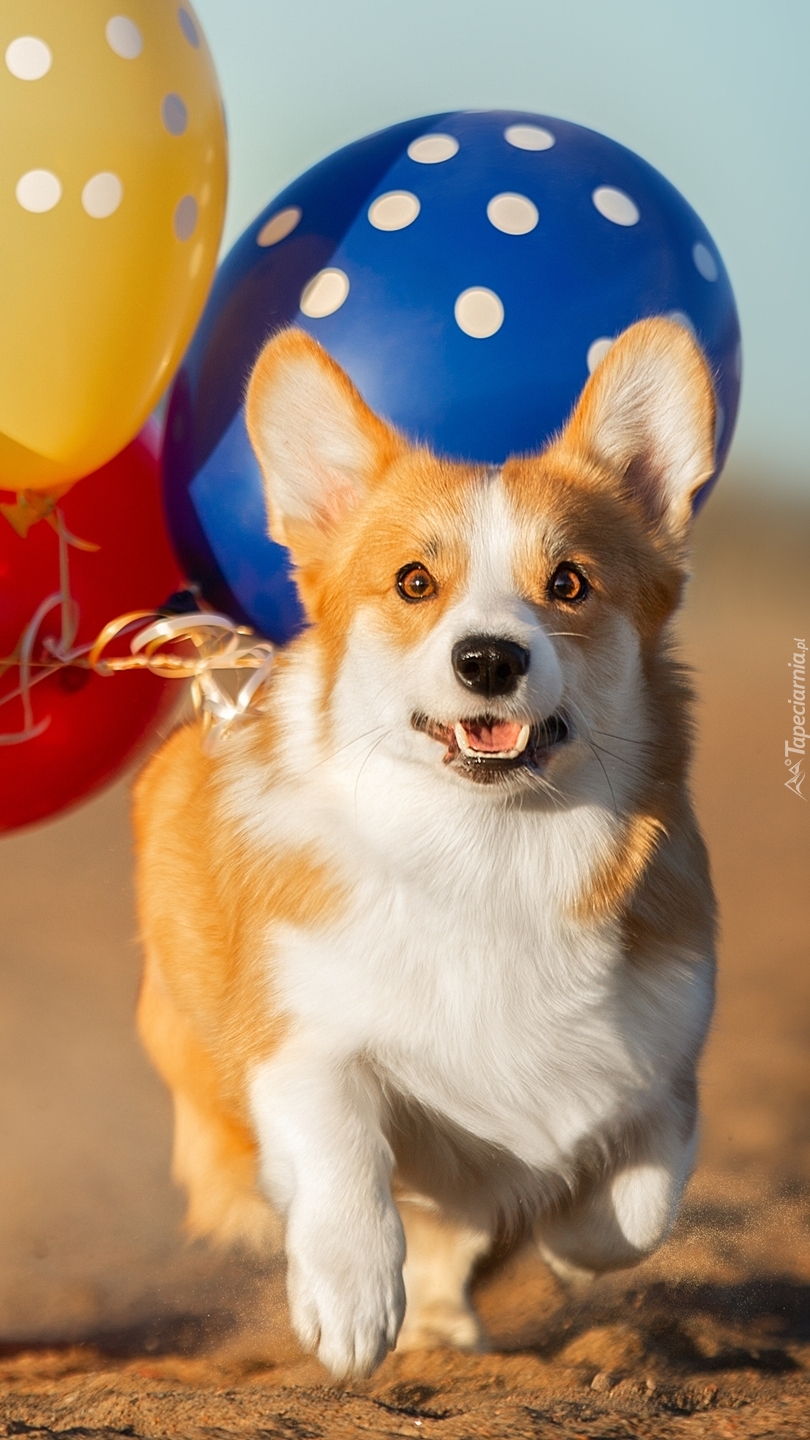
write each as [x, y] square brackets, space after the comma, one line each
[414, 582]
[568, 584]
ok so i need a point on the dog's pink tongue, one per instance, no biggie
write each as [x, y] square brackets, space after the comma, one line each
[503, 735]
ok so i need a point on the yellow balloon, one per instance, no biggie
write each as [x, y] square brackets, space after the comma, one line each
[113, 175]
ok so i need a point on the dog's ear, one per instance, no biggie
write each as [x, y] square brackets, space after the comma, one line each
[648, 415]
[319, 446]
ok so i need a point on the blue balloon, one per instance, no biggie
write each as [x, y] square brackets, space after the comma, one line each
[467, 270]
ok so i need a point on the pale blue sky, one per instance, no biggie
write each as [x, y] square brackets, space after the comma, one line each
[715, 93]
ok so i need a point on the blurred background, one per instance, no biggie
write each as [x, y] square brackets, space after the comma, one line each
[714, 93]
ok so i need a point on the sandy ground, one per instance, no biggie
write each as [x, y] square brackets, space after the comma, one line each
[110, 1325]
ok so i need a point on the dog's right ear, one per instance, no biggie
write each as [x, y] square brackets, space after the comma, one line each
[319, 446]
[647, 414]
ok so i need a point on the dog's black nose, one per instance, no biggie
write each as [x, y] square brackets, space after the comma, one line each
[488, 665]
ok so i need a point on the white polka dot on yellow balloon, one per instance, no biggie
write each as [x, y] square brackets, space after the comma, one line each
[112, 193]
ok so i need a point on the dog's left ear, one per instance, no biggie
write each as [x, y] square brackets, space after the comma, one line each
[320, 447]
[647, 414]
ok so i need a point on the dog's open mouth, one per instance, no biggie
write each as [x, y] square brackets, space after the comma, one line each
[491, 739]
[484, 747]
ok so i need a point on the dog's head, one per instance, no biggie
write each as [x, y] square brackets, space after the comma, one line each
[498, 624]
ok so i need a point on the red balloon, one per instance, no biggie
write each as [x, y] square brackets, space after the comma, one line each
[95, 724]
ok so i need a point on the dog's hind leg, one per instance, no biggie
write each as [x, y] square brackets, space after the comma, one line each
[214, 1154]
[440, 1257]
[214, 1160]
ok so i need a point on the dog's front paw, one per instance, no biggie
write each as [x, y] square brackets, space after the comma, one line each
[345, 1288]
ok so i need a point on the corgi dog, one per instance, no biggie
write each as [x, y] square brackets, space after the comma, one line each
[429, 942]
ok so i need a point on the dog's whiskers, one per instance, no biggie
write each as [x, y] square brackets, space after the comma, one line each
[588, 731]
[626, 739]
[594, 748]
[356, 739]
[371, 749]
[585, 731]
[620, 759]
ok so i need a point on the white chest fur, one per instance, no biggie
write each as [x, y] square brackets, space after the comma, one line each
[459, 969]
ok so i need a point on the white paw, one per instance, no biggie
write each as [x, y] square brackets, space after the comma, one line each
[644, 1204]
[345, 1288]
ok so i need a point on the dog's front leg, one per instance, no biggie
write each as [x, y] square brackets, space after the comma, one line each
[326, 1165]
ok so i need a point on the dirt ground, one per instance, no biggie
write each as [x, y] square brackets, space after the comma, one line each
[110, 1325]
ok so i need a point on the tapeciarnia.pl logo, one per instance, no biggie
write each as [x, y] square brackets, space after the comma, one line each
[797, 700]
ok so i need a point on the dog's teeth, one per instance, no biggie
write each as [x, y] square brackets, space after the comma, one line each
[467, 749]
[461, 738]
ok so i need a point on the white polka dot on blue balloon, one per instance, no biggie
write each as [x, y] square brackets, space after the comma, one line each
[433, 149]
[479, 312]
[325, 293]
[279, 226]
[512, 214]
[394, 211]
[597, 350]
[615, 205]
[680, 317]
[529, 137]
[705, 263]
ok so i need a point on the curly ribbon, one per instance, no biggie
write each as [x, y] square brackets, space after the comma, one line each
[27, 512]
[219, 645]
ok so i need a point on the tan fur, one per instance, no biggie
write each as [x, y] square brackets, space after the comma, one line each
[204, 1013]
[440, 1258]
[212, 897]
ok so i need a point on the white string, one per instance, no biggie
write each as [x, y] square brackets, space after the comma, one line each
[26, 650]
[60, 649]
[219, 642]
